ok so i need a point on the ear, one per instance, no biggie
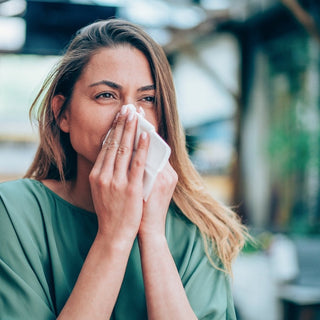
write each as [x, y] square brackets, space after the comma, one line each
[61, 119]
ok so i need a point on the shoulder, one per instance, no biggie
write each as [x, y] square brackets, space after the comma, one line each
[22, 204]
[23, 199]
[24, 194]
[20, 189]
[19, 207]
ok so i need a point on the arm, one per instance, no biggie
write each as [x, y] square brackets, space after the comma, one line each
[165, 294]
[99, 282]
[166, 298]
[118, 199]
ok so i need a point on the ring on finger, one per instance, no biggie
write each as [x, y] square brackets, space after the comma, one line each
[122, 150]
[112, 145]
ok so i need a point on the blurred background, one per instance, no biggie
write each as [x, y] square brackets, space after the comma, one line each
[247, 76]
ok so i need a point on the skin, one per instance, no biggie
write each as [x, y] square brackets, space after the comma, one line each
[110, 185]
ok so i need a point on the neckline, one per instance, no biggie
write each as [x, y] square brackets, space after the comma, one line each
[56, 196]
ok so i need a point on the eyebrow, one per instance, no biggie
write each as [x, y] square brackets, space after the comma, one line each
[107, 83]
[119, 87]
[147, 88]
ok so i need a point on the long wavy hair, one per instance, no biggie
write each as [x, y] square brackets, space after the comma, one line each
[220, 227]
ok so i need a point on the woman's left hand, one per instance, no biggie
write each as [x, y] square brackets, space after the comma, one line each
[156, 207]
[164, 291]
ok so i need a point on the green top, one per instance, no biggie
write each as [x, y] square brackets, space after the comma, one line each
[44, 241]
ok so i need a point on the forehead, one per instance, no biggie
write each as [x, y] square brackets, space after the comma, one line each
[122, 64]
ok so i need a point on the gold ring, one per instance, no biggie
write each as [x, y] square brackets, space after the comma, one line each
[122, 150]
[112, 145]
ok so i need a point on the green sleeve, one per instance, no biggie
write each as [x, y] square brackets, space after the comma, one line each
[208, 289]
[24, 291]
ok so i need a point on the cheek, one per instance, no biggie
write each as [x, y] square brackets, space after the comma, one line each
[87, 135]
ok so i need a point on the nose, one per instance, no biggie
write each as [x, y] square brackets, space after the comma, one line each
[129, 100]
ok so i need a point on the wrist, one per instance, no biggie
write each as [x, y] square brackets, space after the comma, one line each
[155, 240]
[152, 230]
[112, 244]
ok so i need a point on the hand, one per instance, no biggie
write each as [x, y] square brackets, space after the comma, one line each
[155, 209]
[117, 185]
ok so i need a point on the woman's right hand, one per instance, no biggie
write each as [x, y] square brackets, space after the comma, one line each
[117, 182]
[116, 188]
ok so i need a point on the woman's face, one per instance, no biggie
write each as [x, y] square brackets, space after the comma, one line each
[113, 77]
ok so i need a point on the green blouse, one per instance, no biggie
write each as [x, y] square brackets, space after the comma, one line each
[44, 241]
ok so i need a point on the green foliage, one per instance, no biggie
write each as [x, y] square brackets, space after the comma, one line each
[290, 143]
[259, 242]
[294, 153]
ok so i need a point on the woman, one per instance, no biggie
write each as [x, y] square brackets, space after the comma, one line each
[77, 239]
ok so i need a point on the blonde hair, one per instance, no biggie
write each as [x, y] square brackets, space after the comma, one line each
[55, 158]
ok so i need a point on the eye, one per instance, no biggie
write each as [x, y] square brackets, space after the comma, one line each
[105, 95]
[149, 99]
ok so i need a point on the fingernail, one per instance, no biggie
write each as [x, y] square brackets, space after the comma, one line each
[131, 115]
[131, 107]
[124, 109]
[143, 135]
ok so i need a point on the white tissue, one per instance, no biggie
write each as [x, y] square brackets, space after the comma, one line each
[158, 152]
